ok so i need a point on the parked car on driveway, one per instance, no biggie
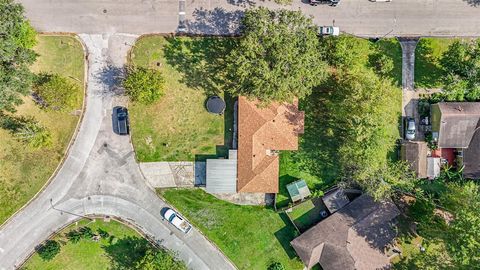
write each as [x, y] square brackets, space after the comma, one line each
[410, 129]
[120, 120]
[328, 31]
[177, 221]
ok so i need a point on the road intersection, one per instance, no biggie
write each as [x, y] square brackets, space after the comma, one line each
[100, 174]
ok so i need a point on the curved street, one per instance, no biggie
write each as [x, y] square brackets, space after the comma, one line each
[101, 177]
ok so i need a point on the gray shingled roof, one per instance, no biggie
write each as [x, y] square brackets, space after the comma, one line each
[455, 123]
[352, 238]
[471, 157]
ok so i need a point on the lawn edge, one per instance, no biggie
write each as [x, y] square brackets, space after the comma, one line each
[77, 127]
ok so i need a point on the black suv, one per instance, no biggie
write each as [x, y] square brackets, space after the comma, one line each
[319, 2]
[120, 120]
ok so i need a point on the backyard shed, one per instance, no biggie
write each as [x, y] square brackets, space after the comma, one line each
[222, 174]
[298, 190]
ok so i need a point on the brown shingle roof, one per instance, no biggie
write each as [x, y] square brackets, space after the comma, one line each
[261, 130]
[352, 238]
[415, 153]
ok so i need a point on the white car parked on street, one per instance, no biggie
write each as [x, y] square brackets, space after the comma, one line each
[177, 221]
[328, 31]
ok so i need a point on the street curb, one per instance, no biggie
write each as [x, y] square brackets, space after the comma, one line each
[77, 127]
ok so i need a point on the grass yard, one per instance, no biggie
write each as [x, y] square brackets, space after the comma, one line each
[307, 214]
[428, 72]
[178, 127]
[252, 237]
[24, 170]
[108, 253]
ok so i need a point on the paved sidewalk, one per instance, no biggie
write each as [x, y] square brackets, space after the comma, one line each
[169, 174]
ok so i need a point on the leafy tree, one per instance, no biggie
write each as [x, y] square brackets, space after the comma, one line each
[277, 58]
[159, 259]
[48, 250]
[465, 236]
[461, 63]
[144, 85]
[56, 92]
[382, 64]
[17, 38]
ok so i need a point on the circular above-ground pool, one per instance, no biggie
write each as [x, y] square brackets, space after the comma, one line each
[216, 105]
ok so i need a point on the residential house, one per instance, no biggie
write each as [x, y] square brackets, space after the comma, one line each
[353, 238]
[455, 128]
[262, 132]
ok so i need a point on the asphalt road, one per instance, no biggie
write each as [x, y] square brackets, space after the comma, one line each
[359, 17]
[101, 177]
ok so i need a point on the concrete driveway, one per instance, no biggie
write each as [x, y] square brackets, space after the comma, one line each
[101, 177]
[359, 17]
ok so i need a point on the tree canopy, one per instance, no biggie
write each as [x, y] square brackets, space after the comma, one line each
[144, 85]
[17, 38]
[461, 64]
[277, 57]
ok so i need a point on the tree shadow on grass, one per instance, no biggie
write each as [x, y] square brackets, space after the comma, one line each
[428, 72]
[200, 60]
[126, 252]
[317, 156]
[285, 235]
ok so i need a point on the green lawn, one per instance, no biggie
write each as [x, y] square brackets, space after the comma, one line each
[111, 252]
[428, 72]
[178, 127]
[23, 170]
[251, 236]
[307, 214]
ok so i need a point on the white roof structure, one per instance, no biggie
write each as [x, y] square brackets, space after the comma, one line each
[433, 167]
[222, 174]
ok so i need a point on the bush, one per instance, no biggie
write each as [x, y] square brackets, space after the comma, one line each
[382, 64]
[104, 234]
[144, 85]
[86, 232]
[276, 266]
[49, 250]
[56, 92]
[74, 236]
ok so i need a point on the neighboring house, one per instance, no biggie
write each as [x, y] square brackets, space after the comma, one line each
[262, 132]
[455, 127]
[420, 159]
[353, 238]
